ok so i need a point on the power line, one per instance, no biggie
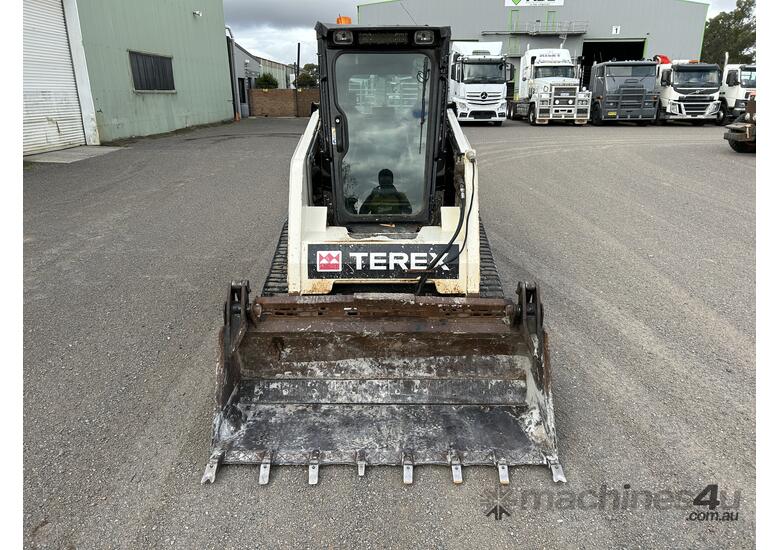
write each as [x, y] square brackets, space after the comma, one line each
[407, 13]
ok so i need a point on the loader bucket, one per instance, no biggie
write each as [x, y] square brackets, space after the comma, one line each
[383, 379]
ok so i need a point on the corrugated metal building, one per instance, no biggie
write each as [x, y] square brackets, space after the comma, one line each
[102, 70]
[280, 71]
[246, 68]
[249, 66]
[58, 109]
[598, 30]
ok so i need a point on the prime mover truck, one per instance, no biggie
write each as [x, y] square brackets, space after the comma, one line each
[623, 90]
[738, 85]
[549, 89]
[478, 73]
[688, 90]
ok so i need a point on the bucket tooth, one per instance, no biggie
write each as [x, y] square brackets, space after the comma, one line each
[361, 463]
[265, 469]
[314, 468]
[210, 475]
[457, 472]
[557, 471]
[503, 472]
[408, 465]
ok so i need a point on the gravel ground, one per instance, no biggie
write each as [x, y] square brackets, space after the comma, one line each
[643, 241]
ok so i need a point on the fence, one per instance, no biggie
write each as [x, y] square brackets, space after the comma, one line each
[280, 103]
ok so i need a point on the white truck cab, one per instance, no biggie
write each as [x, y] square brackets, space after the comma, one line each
[549, 89]
[477, 87]
[688, 90]
[739, 83]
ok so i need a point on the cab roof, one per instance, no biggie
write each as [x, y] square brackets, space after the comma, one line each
[628, 63]
[323, 29]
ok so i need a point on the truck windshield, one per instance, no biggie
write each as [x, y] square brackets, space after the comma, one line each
[385, 99]
[631, 71]
[748, 78]
[554, 71]
[620, 76]
[687, 78]
[483, 73]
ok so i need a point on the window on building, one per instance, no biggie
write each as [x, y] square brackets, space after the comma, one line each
[151, 72]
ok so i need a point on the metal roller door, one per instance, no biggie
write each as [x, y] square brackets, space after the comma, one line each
[52, 114]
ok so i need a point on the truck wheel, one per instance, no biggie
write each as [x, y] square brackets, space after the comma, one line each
[532, 115]
[723, 114]
[659, 117]
[598, 120]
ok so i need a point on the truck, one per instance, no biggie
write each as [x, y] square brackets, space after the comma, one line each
[741, 135]
[549, 89]
[688, 90]
[478, 73]
[623, 91]
[738, 84]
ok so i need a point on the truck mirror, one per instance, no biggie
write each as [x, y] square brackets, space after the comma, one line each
[666, 77]
[510, 70]
[731, 79]
[533, 60]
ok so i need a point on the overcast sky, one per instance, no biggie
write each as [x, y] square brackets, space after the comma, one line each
[272, 28]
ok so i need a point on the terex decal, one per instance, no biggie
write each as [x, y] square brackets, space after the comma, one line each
[380, 261]
[329, 260]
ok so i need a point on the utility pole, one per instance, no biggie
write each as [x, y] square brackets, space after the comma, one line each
[297, 73]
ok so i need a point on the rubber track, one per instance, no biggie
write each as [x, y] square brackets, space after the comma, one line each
[276, 281]
[489, 284]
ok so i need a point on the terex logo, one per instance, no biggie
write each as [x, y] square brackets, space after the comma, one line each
[329, 260]
[380, 261]
[391, 261]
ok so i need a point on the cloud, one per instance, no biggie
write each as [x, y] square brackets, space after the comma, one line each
[279, 44]
[273, 28]
[717, 6]
[286, 14]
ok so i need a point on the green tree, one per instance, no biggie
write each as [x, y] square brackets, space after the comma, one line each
[733, 32]
[266, 80]
[309, 77]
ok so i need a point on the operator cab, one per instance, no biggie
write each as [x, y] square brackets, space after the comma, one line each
[383, 100]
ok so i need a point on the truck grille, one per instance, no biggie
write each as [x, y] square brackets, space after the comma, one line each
[482, 115]
[476, 97]
[565, 92]
[629, 97]
[696, 105]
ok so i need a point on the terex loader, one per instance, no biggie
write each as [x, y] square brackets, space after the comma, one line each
[381, 335]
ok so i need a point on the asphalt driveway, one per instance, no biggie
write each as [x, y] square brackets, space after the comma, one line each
[642, 239]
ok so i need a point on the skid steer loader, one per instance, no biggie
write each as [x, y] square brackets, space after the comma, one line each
[381, 335]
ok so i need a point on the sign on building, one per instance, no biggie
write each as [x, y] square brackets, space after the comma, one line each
[532, 3]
